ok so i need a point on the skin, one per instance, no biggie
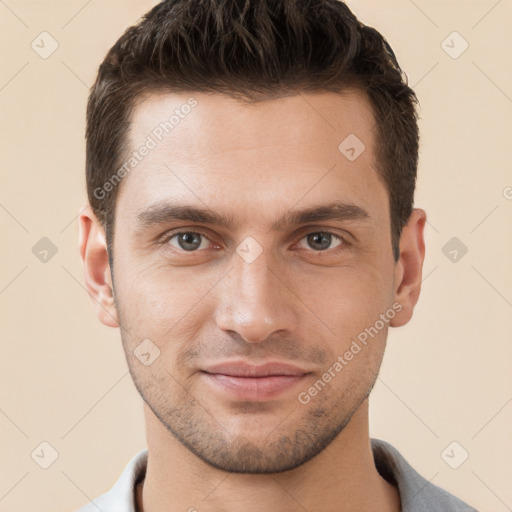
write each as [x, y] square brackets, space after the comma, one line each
[297, 302]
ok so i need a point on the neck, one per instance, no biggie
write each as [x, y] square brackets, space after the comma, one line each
[341, 478]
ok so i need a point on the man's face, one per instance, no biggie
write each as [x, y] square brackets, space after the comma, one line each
[253, 291]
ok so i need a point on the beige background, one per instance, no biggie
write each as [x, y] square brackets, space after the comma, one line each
[446, 376]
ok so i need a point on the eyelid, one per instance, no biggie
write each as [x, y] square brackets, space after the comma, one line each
[165, 237]
[346, 236]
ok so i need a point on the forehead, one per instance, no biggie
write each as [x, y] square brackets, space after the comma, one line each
[208, 123]
[222, 152]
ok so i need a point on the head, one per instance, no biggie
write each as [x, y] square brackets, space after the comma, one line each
[250, 171]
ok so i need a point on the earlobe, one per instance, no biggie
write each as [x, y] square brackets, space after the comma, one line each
[94, 255]
[408, 269]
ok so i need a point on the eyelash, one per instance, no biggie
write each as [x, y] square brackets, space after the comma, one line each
[164, 240]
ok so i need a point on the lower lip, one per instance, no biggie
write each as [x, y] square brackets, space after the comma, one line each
[253, 388]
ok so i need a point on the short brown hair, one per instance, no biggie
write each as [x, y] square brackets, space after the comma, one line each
[252, 50]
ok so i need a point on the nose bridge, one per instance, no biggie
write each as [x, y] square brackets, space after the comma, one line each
[254, 302]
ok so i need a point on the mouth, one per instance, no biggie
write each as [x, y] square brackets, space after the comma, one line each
[243, 381]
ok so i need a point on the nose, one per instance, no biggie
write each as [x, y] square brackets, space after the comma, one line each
[255, 301]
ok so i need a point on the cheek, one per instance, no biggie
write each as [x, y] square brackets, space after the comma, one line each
[347, 299]
[161, 302]
[157, 302]
[146, 288]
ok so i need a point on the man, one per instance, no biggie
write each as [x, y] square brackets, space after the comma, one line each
[251, 169]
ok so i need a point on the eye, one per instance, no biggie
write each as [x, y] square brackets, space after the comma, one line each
[321, 241]
[189, 241]
[194, 241]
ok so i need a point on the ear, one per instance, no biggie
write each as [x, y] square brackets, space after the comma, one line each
[98, 279]
[408, 269]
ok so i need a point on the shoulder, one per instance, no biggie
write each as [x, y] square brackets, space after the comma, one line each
[417, 494]
[120, 497]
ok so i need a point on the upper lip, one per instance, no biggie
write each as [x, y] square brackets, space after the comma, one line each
[244, 369]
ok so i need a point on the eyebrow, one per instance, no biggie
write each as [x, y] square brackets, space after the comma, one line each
[164, 212]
